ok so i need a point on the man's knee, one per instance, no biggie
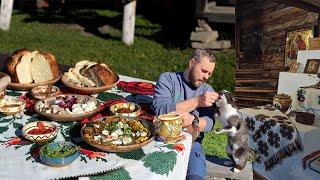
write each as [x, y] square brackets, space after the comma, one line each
[197, 163]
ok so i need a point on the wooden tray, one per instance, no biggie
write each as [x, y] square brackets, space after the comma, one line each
[29, 86]
[87, 90]
[126, 148]
[68, 117]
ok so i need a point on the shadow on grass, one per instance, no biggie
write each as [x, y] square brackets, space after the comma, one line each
[218, 160]
[110, 26]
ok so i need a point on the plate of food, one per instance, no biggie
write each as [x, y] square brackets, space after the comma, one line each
[118, 134]
[90, 78]
[67, 107]
[125, 109]
[29, 69]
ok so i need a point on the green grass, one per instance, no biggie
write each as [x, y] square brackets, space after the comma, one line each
[150, 55]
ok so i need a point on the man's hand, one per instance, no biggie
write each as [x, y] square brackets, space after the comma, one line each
[186, 117]
[207, 99]
[194, 131]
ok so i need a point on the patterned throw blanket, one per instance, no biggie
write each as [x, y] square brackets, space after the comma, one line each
[274, 136]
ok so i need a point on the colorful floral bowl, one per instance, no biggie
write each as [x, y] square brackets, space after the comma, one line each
[59, 154]
[12, 106]
[35, 131]
[125, 109]
[41, 92]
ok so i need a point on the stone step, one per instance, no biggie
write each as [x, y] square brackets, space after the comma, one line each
[224, 44]
[217, 169]
[205, 36]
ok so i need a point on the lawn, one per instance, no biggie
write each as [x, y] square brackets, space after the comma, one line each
[77, 38]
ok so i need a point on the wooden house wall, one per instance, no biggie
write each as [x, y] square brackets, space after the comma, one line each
[261, 29]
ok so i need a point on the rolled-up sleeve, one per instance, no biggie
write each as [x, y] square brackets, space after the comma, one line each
[209, 124]
[163, 100]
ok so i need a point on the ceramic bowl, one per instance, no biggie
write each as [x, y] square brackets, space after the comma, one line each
[41, 137]
[40, 92]
[38, 107]
[29, 86]
[12, 106]
[58, 161]
[119, 148]
[125, 109]
[87, 90]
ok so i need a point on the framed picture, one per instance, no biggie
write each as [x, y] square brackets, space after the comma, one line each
[312, 66]
[296, 40]
[294, 66]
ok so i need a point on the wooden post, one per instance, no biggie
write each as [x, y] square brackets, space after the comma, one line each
[129, 15]
[5, 14]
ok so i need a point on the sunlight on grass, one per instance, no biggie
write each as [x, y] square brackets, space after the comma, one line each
[214, 144]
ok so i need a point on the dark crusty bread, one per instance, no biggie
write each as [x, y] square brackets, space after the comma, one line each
[89, 73]
[104, 74]
[13, 61]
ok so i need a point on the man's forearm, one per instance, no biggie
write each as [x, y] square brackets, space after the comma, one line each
[187, 105]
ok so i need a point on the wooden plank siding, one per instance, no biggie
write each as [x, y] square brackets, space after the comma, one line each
[262, 26]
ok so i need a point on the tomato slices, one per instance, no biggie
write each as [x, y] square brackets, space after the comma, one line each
[41, 129]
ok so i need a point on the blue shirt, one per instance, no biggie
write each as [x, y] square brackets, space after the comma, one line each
[172, 88]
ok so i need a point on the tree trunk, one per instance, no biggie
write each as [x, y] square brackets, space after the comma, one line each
[5, 14]
[129, 13]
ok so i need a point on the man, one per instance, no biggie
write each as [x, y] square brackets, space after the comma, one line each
[187, 94]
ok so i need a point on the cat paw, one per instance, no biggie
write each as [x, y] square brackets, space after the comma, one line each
[235, 170]
[217, 131]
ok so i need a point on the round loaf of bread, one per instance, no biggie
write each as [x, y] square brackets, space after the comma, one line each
[13, 61]
[53, 63]
[27, 67]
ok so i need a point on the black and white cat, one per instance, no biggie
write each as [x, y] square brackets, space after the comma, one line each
[237, 147]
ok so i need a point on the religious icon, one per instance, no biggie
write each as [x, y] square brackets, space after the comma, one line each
[296, 40]
[312, 66]
[294, 66]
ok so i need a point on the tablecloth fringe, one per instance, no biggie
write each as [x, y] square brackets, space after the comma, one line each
[90, 174]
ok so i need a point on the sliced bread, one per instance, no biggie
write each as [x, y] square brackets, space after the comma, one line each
[13, 62]
[41, 69]
[23, 69]
[84, 80]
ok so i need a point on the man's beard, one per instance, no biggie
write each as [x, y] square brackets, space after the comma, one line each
[193, 79]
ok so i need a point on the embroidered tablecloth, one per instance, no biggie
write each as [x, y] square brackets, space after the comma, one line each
[273, 135]
[19, 159]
